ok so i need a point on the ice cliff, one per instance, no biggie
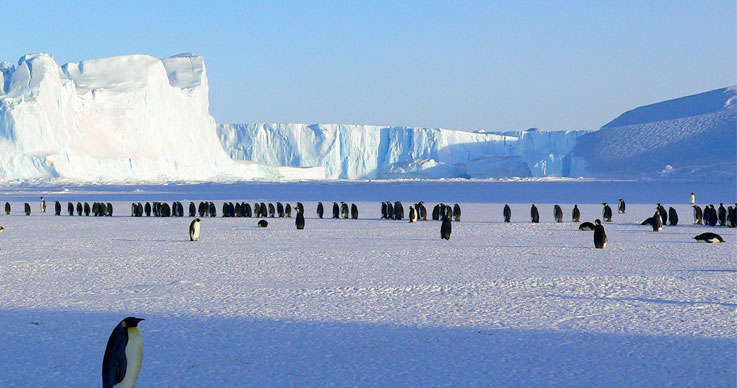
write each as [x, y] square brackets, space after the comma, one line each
[121, 119]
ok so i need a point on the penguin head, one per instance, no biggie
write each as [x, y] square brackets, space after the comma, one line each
[604, 203]
[131, 321]
[1, 229]
[196, 220]
[597, 222]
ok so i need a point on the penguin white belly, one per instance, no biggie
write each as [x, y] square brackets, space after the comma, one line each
[195, 233]
[134, 358]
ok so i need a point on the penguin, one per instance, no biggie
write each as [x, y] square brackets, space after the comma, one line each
[7, 208]
[95, 209]
[586, 226]
[79, 208]
[1, 229]
[192, 210]
[507, 213]
[398, 211]
[657, 222]
[321, 210]
[648, 221]
[445, 228]
[709, 238]
[288, 210]
[226, 210]
[672, 216]
[43, 205]
[606, 212]
[534, 214]
[263, 223]
[194, 230]
[389, 210]
[300, 207]
[280, 210]
[264, 210]
[180, 209]
[576, 214]
[140, 210]
[456, 212]
[354, 211]
[201, 209]
[57, 208]
[249, 211]
[336, 210]
[621, 206]
[712, 216]
[109, 209]
[299, 221]
[722, 215]
[165, 209]
[134, 209]
[123, 357]
[599, 235]
[557, 214]
[693, 198]
[732, 216]
[70, 208]
[422, 212]
[212, 210]
[698, 215]
[344, 209]
[237, 210]
[87, 209]
[27, 208]
[436, 212]
[448, 211]
[663, 213]
[383, 211]
[412, 215]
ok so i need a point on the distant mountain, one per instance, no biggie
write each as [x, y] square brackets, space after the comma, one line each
[688, 138]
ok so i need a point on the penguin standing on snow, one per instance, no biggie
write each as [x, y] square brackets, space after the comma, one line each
[657, 222]
[321, 210]
[731, 217]
[389, 210]
[606, 212]
[445, 227]
[672, 216]
[336, 210]
[87, 209]
[194, 230]
[70, 208]
[663, 213]
[398, 211]
[709, 238]
[712, 216]
[121, 364]
[27, 208]
[57, 208]
[192, 210]
[722, 215]
[383, 210]
[79, 208]
[534, 214]
[7, 208]
[43, 205]
[698, 215]
[422, 211]
[299, 220]
[507, 213]
[693, 198]
[436, 212]
[344, 209]
[354, 211]
[412, 215]
[621, 206]
[280, 209]
[456, 212]
[576, 214]
[557, 214]
[599, 235]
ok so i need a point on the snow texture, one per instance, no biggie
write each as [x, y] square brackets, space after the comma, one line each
[130, 118]
[370, 302]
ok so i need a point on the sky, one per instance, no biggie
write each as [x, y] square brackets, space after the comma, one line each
[490, 65]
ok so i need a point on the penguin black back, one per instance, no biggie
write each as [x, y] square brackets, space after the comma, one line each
[557, 214]
[398, 211]
[586, 226]
[456, 212]
[57, 208]
[280, 210]
[507, 213]
[722, 215]
[263, 223]
[672, 216]
[599, 235]
[336, 210]
[663, 214]
[436, 212]
[7, 208]
[115, 363]
[70, 208]
[534, 214]
[79, 208]
[622, 206]
[575, 214]
[606, 212]
[354, 211]
[299, 220]
[27, 208]
[321, 210]
[709, 237]
[446, 228]
[87, 209]
[657, 222]
[344, 209]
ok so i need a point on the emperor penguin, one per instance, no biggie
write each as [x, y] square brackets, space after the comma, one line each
[263, 223]
[288, 211]
[213, 210]
[321, 210]
[43, 205]
[712, 216]
[194, 230]
[731, 217]
[249, 211]
[354, 211]
[383, 210]
[398, 211]
[576, 214]
[57, 208]
[79, 208]
[587, 226]
[70, 208]
[389, 210]
[1, 229]
[422, 212]
[599, 235]
[456, 212]
[192, 210]
[621, 206]
[344, 210]
[709, 238]
[109, 209]
[412, 215]
[722, 215]
[657, 222]
[446, 227]
[299, 220]
[606, 212]
[693, 198]
[534, 214]
[507, 213]
[557, 214]
[300, 207]
[279, 209]
[147, 209]
[436, 212]
[27, 208]
[698, 215]
[663, 213]
[336, 210]
[121, 364]
[87, 209]
[672, 216]
[7, 208]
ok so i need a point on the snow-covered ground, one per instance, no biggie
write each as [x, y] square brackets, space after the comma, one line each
[372, 302]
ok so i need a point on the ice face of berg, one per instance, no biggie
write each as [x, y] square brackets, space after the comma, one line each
[121, 119]
[376, 152]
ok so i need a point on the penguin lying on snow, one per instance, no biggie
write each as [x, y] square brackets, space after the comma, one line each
[586, 226]
[123, 357]
[709, 238]
[263, 224]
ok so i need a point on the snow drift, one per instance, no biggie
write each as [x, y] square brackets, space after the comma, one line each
[691, 138]
[367, 151]
[119, 119]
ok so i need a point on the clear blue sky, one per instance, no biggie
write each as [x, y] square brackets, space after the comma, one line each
[497, 65]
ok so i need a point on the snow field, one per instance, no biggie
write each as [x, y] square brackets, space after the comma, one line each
[370, 302]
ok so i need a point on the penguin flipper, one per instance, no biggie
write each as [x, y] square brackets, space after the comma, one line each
[114, 363]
